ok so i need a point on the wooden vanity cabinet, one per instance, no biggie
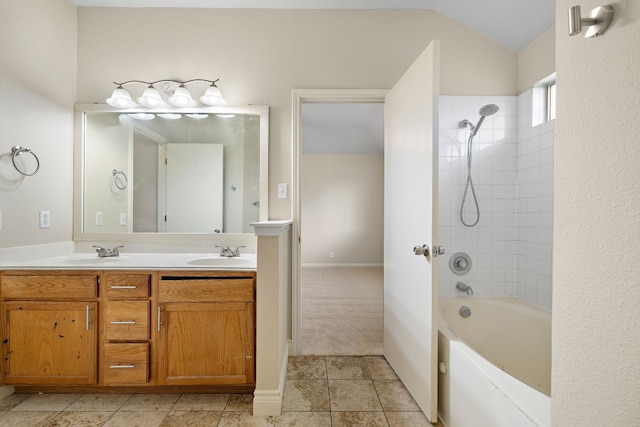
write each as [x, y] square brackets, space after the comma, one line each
[48, 327]
[126, 314]
[206, 325]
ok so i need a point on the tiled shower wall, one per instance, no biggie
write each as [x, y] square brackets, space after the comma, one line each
[512, 170]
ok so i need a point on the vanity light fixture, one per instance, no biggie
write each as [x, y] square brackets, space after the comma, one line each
[177, 96]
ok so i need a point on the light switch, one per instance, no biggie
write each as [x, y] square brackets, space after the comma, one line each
[98, 218]
[123, 218]
[282, 191]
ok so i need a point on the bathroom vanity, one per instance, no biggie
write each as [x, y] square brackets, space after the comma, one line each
[96, 324]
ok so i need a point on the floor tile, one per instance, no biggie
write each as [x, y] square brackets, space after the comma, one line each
[379, 368]
[47, 402]
[306, 419]
[79, 419]
[191, 418]
[240, 403]
[307, 368]
[306, 395]
[404, 419]
[246, 419]
[99, 402]
[136, 419]
[354, 419]
[353, 395]
[347, 368]
[11, 401]
[201, 402]
[26, 419]
[150, 402]
[394, 396]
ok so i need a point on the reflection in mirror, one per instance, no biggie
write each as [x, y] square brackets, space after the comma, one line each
[172, 173]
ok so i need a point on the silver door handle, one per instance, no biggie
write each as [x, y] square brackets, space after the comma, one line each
[421, 250]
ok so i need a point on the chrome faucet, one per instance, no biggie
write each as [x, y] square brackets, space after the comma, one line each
[104, 252]
[226, 251]
[464, 288]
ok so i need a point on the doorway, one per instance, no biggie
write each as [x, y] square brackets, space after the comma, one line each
[308, 98]
[342, 206]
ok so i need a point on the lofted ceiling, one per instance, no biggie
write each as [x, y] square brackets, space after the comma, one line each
[357, 128]
[513, 24]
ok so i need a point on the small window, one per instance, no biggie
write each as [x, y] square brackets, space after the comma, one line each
[543, 101]
[551, 101]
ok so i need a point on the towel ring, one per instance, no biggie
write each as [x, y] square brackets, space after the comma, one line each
[120, 179]
[16, 150]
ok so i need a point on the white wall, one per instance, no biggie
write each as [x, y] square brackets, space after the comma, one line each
[37, 92]
[261, 55]
[342, 209]
[596, 273]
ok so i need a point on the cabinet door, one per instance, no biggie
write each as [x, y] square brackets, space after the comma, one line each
[207, 343]
[50, 342]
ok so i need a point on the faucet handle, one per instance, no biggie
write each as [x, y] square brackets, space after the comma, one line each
[237, 251]
[115, 252]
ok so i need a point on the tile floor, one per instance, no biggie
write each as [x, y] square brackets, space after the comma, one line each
[320, 391]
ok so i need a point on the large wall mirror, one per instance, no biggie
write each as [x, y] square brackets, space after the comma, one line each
[141, 172]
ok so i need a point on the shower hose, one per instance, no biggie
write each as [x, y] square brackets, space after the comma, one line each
[469, 184]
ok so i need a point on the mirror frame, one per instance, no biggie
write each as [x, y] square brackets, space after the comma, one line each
[80, 111]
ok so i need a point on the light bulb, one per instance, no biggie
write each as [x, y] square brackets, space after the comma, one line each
[120, 98]
[182, 98]
[151, 98]
[212, 96]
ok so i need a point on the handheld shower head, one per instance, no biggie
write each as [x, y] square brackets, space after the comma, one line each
[484, 111]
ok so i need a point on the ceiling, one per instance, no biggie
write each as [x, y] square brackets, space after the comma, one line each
[511, 23]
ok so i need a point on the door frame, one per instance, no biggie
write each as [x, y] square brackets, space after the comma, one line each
[300, 96]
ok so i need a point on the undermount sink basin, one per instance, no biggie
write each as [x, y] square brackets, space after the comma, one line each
[221, 261]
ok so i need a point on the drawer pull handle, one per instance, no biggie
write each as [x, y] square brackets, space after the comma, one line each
[124, 287]
[123, 322]
[132, 366]
[87, 320]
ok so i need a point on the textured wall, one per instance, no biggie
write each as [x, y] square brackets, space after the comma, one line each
[596, 273]
[261, 55]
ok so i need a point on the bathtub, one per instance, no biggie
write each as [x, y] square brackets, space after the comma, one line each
[495, 365]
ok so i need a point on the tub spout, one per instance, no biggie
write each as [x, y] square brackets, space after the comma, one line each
[464, 288]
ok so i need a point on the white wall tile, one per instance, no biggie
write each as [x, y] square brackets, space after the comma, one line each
[511, 248]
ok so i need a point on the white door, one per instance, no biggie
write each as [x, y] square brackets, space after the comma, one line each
[411, 193]
[194, 188]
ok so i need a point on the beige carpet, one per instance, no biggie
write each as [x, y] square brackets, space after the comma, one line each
[341, 311]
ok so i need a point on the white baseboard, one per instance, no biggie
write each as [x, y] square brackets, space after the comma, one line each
[269, 402]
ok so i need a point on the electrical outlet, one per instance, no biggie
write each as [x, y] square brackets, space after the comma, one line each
[0, 220]
[123, 218]
[98, 218]
[331, 254]
[45, 219]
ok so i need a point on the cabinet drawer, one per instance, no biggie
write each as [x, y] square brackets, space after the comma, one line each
[128, 285]
[126, 364]
[127, 320]
[49, 287]
[206, 289]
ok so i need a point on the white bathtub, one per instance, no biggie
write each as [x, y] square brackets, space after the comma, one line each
[497, 363]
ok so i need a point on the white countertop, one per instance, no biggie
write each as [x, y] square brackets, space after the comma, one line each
[138, 261]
